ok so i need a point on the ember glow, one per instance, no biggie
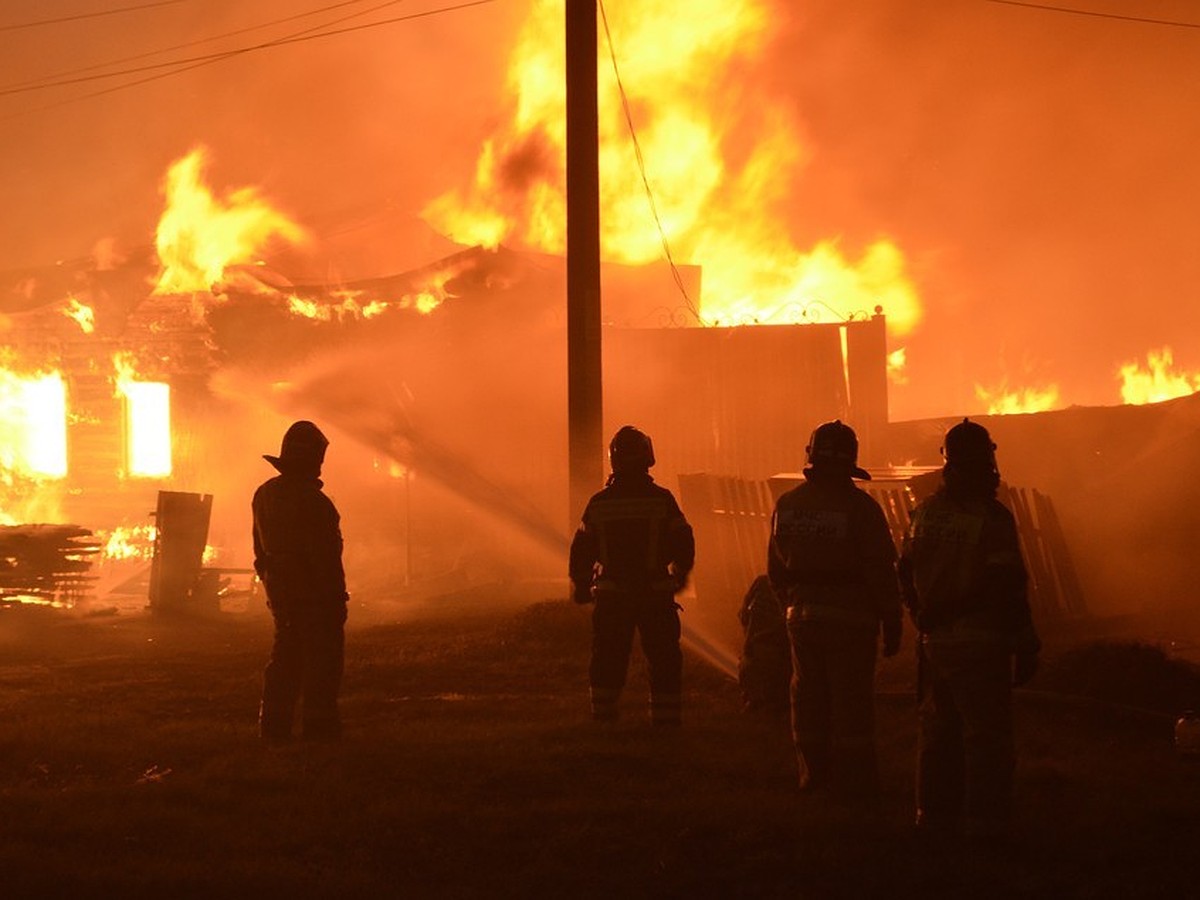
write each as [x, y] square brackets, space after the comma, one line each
[129, 542]
[358, 305]
[148, 421]
[33, 424]
[720, 164]
[1157, 381]
[200, 235]
[1004, 402]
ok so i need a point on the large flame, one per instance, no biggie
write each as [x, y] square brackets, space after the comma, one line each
[720, 164]
[1157, 381]
[200, 235]
[148, 420]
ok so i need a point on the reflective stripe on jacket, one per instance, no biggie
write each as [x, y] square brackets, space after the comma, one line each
[633, 536]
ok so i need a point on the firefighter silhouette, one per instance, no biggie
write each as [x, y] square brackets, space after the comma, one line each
[765, 665]
[631, 554]
[831, 559]
[298, 557]
[964, 584]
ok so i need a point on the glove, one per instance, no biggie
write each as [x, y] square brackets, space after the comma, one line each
[581, 594]
[1024, 668]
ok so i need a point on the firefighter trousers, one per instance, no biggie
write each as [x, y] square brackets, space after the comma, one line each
[833, 705]
[655, 616]
[306, 664]
[965, 753]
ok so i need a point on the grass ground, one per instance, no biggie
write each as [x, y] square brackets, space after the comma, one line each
[129, 767]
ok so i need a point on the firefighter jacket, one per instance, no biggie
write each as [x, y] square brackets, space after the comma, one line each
[962, 573]
[832, 558]
[633, 537]
[297, 543]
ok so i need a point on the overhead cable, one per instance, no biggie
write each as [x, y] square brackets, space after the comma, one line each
[92, 15]
[192, 62]
[185, 65]
[1098, 15]
[54, 76]
[637, 150]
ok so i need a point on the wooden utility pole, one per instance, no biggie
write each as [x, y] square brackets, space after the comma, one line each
[584, 383]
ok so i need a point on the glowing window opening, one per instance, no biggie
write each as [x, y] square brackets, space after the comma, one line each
[147, 428]
[33, 419]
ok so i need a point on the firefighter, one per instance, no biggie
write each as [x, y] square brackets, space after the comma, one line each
[831, 558]
[765, 666]
[298, 557]
[964, 584]
[631, 554]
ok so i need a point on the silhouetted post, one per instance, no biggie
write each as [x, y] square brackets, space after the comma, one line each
[584, 385]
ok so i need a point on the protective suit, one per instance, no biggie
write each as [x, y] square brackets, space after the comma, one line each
[964, 584]
[832, 558]
[632, 552]
[298, 557]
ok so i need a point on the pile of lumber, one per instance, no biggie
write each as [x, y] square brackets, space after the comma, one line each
[46, 564]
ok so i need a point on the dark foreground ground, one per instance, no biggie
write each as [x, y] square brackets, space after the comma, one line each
[129, 767]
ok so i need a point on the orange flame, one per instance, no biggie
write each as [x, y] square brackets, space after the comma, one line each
[1157, 381]
[129, 542]
[1003, 402]
[136, 542]
[720, 164]
[353, 305]
[199, 235]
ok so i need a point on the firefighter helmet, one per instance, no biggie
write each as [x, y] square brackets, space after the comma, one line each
[303, 446]
[834, 446]
[968, 445]
[630, 450]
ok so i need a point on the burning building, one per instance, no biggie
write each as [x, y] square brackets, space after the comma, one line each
[448, 376]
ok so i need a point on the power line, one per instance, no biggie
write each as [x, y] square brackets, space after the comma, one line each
[91, 15]
[1097, 15]
[187, 65]
[207, 40]
[637, 150]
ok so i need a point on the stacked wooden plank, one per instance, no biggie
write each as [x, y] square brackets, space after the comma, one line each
[46, 564]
